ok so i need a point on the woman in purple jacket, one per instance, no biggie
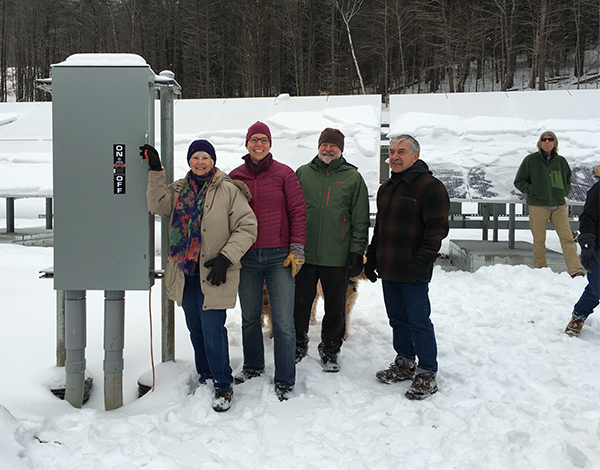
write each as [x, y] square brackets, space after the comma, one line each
[275, 258]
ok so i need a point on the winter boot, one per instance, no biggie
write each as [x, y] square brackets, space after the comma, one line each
[422, 386]
[283, 392]
[301, 353]
[329, 359]
[574, 327]
[222, 400]
[396, 372]
[330, 364]
[246, 374]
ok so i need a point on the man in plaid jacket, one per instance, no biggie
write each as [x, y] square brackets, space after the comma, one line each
[412, 221]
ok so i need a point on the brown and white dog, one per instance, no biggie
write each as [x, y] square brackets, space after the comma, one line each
[351, 294]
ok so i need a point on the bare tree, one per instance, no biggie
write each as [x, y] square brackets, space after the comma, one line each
[3, 51]
[348, 10]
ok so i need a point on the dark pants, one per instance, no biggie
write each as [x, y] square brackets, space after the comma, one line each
[334, 281]
[408, 308]
[208, 335]
[591, 295]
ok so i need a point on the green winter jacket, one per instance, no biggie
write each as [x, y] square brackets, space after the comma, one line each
[337, 211]
[545, 184]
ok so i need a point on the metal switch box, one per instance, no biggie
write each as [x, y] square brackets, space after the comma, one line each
[102, 112]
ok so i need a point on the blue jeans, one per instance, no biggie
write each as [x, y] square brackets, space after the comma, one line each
[258, 265]
[591, 294]
[208, 335]
[408, 308]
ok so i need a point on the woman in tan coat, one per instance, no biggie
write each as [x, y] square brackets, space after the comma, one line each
[212, 226]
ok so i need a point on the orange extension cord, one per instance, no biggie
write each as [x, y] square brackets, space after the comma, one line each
[151, 342]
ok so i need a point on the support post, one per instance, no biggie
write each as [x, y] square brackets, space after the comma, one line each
[495, 224]
[384, 167]
[49, 213]
[511, 225]
[485, 210]
[166, 148]
[75, 342]
[10, 215]
[61, 353]
[114, 342]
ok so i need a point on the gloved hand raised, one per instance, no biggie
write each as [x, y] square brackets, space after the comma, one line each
[370, 267]
[295, 258]
[218, 273]
[354, 264]
[588, 254]
[149, 153]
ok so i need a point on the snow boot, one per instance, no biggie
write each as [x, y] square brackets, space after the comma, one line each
[329, 363]
[283, 392]
[246, 374]
[300, 353]
[422, 386]
[574, 327]
[222, 400]
[396, 372]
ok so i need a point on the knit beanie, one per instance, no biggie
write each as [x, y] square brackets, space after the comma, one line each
[332, 136]
[258, 128]
[202, 146]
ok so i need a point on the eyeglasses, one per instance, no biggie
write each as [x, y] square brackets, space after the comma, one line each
[263, 141]
[549, 139]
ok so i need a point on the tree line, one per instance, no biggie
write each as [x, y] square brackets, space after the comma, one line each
[253, 48]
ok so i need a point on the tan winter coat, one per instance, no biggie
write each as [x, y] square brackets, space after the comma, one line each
[228, 227]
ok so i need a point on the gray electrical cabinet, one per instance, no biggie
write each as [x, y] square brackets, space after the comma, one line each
[103, 234]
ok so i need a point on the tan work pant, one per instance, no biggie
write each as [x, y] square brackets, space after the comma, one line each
[538, 221]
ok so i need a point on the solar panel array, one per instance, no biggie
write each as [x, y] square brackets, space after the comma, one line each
[474, 143]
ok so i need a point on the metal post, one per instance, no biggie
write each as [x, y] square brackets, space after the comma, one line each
[511, 225]
[61, 353]
[10, 215]
[485, 221]
[75, 342]
[114, 341]
[166, 149]
[49, 213]
[495, 225]
[384, 167]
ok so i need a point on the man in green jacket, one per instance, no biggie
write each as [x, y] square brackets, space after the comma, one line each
[545, 178]
[337, 226]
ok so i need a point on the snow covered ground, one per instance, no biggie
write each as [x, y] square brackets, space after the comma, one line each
[515, 391]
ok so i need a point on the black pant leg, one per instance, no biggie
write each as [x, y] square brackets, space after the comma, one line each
[334, 281]
[306, 289]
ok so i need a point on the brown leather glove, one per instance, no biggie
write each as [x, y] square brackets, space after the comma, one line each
[295, 258]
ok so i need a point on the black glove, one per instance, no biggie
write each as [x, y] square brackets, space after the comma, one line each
[588, 253]
[149, 153]
[419, 271]
[354, 264]
[218, 273]
[370, 266]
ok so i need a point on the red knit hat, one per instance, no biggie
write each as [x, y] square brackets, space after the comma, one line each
[332, 136]
[258, 128]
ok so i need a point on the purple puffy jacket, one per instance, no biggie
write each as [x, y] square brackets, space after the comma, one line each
[277, 202]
